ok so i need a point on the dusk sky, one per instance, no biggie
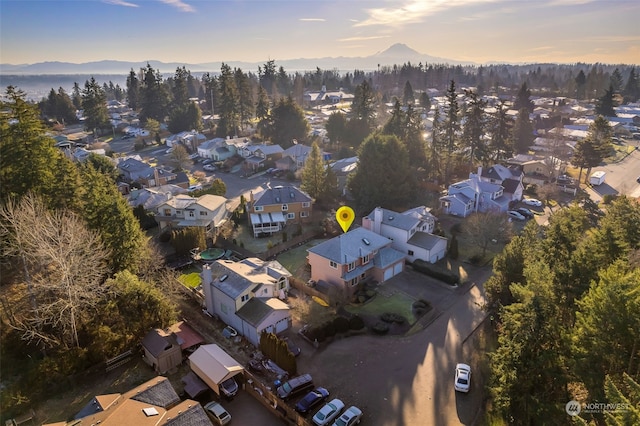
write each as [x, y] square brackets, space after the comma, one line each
[189, 31]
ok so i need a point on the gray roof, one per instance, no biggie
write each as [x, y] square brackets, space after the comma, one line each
[280, 195]
[160, 394]
[425, 240]
[155, 343]
[350, 246]
[396, 220]
[387, 256]
[234, 285]
[193, 416]
[254, 311]
[297, 150]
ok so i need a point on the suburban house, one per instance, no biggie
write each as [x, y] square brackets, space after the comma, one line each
[256, 155]
[343, 168]
[271, 209]
[190, 140]
[247, 295]
[133, 169]
[207, 211]
[154, 402]
[411, 232]
[338, 265]
[163, 349]
[297, 154]
[218, 149]
[151, 198]
[474, 195]
[509, 178]
[322, 97]
[537, 172]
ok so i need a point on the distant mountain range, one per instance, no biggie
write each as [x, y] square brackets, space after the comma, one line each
[397, 54]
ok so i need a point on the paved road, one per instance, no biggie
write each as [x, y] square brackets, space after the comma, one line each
[620, 178]
[406, 380]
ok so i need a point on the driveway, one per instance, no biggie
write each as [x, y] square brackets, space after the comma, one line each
[407, 380]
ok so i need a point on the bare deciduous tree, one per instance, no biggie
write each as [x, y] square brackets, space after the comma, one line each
[64, 264]
[481, 229]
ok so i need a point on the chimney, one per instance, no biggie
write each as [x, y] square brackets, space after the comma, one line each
[377, 220]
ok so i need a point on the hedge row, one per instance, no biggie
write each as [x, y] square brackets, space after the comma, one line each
[439, 274]
[337, 325]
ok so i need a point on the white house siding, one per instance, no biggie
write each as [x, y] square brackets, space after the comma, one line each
[225, 308]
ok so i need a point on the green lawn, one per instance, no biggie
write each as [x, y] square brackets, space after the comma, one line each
[295, 260]
[190, 277]
[398, 303]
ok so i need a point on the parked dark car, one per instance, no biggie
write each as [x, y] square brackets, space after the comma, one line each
[293, 348]
[295, 386]
[312, 400]
[525, 212]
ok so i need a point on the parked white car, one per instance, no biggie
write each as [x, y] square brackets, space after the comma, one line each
[532, 202]
[217, 413]
[350, 417]
[328, 412]
[462, 381]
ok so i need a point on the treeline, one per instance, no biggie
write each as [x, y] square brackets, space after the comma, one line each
[567, 297]
[80, 283]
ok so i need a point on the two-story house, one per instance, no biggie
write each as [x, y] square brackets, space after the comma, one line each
[272, 209]
[207, 211]
[474, 195]
[133, 169]
[247, 295]
[411, 232]
[338, 265]
[256, 155]
[218, 149]
[295, 157]
[509, 178]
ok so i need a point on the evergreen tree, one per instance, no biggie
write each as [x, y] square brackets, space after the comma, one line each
[474, 128]
[606, 103]
[434, 150]
[616, 81]
[632, 88]
[590, 151]
[500, 130]
[313, 173]
[581, 85]
[229, 122]
[25, 150]
[523, 99]
[336, 127]
[179, 87]
[408, 97]
[76, 96]
[523, 136]
[154, 96]
[94, 103]
[245, 97]
[289, 123]
[133, 90]
[383, 177]
[363, 106]
[106, 211]
[425, 102]
[263, 108]
[450, 128]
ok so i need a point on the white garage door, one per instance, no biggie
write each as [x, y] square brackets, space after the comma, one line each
[397, 269]
[282, 325]
[388, 273]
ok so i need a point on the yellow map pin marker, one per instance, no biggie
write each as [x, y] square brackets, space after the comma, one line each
[345, 216]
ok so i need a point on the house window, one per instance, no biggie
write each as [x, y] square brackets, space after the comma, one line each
[244, 298]
[410, 252]
[192, 213]
[203, 213]
[258, 208]
[167, 212]
[351, 266]
[333, 264]
[285, 207]
[223, 308]
[304, 214]
[306, 204]
[354, 281]
[365, 259]
[178, 212]
[291, 215]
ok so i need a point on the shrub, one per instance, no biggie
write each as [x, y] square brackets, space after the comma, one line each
[165, 237]
[341, 324]
[608, 198]
[380, 327]
[475, 259]
[391, 317]
[356, 323]
[420, 307]
[329, 329]
[456, 229]
[442, 275]
[453, 247]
